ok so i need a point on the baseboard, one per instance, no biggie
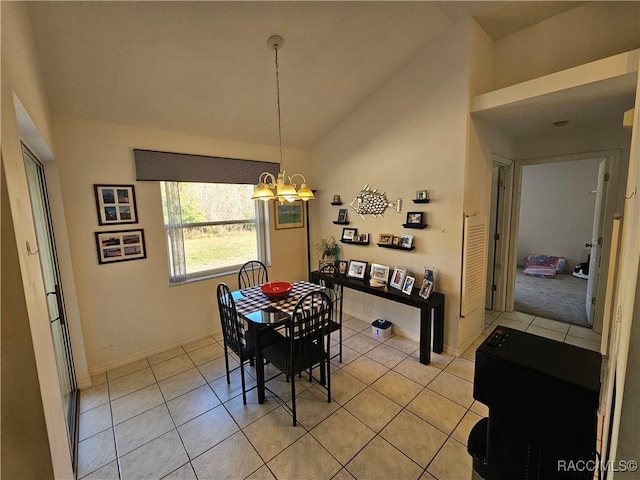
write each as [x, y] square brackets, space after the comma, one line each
[144, 354]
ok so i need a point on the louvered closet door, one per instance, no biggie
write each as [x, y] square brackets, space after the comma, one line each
[474, 261]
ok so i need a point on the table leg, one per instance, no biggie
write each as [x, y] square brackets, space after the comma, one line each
[259, 363]
[438, 328]
[425, 335]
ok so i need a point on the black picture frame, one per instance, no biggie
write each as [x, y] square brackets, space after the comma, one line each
[348, 234]
[415, 218]
[120, 246]
[116, 204]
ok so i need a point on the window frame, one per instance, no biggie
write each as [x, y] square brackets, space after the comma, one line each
[262, 240]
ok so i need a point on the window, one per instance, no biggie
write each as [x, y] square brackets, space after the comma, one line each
[211, 228]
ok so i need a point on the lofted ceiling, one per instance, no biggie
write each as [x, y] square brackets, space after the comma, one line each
[204, 67]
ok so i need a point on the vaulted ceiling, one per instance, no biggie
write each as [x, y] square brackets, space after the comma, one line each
[205, 68]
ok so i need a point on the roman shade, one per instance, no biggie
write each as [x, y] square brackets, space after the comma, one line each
[181, 167]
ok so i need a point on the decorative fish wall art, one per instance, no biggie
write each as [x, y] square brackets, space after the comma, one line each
[372, 202]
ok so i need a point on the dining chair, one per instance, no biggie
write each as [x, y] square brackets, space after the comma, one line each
[235, 337]
[252, 273]
[329, 277]
[305, 347]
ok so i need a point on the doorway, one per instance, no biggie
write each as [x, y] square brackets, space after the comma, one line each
[519, 237]
[53, 290]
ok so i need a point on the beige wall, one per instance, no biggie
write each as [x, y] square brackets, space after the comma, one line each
[590, 32]
[25, 446]
[128, 309]
[20, 77]
[409, 135]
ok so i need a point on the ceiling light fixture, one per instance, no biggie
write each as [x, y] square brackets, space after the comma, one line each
[285, 189]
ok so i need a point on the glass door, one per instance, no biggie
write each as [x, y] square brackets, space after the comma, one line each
[53, 290]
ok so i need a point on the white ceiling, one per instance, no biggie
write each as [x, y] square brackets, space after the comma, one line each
[204, 67]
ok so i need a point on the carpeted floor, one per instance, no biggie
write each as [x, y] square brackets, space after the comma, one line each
[561, 298]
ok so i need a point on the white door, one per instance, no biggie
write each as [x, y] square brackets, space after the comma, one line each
[596, 243]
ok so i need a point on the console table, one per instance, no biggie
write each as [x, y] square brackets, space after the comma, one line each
[435, 306]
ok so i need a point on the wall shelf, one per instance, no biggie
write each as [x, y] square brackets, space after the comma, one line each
[396, 247]
[341, 223]
[354, 243]
[415, 225]
[421, 200]
[336, 203]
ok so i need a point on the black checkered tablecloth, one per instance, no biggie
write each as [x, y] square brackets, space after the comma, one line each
[251, 299]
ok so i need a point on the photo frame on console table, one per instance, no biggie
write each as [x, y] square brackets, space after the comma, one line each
[116, 204]
[120, 246]
[357, 269]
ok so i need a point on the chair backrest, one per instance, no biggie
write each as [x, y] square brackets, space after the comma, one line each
[328, 276]
[252, 273]
[310, 324]
[232, 329]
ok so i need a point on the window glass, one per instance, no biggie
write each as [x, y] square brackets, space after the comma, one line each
[214, 228]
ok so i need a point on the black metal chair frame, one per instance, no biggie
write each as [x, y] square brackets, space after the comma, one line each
[329, 277]
[235, 337]
[305, 347]
[252, 273]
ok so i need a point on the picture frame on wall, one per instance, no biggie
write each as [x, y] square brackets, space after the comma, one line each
[385, 238]
[415, 218]
[349, 234]
[116, 204]
[357, 269]
[288, 215]
[120, 246]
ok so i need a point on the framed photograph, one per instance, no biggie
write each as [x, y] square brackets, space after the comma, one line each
[397, 279]
[288, 215]
[363, 238]
[379, 273]
[422, 195]
[407, 287]
[406, 241]
[120, 246]
[357, 269]
[396, 241]
[336, 199]
[342, 266]
[425, 289]
[342, 215]
[116, 204]
[415, 218]
[430, 274]
[349, 234]
[385, 238]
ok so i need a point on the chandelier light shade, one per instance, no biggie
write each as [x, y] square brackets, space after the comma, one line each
[282, 188]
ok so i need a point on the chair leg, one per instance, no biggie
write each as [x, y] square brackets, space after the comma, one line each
[293, 399]
[226, 364]
[244, 390]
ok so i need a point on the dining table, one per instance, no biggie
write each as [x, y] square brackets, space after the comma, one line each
[260, 312]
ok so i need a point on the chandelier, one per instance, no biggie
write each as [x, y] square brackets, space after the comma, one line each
[285, 189]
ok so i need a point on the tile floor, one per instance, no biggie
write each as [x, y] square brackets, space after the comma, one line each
[173, 415]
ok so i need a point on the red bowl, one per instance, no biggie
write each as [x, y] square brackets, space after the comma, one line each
[276, 290]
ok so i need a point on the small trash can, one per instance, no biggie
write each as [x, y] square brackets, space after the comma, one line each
[381, 328]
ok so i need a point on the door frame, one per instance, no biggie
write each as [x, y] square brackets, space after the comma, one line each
[500, 249]
[608, 214]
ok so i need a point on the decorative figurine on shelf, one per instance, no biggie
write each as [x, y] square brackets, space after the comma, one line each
[372, 202]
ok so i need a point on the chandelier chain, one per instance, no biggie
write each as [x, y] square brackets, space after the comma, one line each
[278, 102]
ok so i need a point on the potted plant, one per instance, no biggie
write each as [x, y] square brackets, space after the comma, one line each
[328, 249]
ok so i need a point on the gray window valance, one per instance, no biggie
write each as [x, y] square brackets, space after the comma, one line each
[182, 167]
